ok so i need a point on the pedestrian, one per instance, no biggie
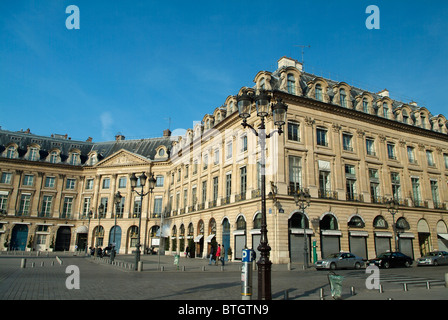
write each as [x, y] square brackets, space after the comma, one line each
[187, 252]
[212, 255]
[218, 254]
[222, 254]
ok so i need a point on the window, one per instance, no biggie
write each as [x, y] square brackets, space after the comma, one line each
[3, 202]
[347, 143]
[120, 207]
[445, 158]
[24, 207]
[11, 153]
[244, 143]
[53, 157]
[137, 207]
[67, 207]
[405, 117]
[50, 182]
[318, 91]
[229, 150]
[435, 194]
[365, 105]
[28, 180]
[350, 182]
[411, 155]
[86, 206]
[104, 201]
[321, 137]
[391, 151]
[6, 177]
[396, 186]
[293, 131]
[46, 206]
[70, 184]
[291, 83]
[416, 191]
[157, 206]
[159, 181]
[243, 181]
[385, 110]
[324, 184]
[74, 159]
[215, 188]
[228, 186]
[122, 182]
[430, 158]
[185, 198]
[370, 146]
[216, 157]
[204, 191]
[343, 98]
[374, 186]
[33, 154]
[106, 183]
[89, 184]
[295, 173]
[205, 161]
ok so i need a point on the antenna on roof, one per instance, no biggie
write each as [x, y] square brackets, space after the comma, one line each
[169, 123]
[303, 47]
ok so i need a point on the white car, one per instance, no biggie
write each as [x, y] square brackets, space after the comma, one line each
[434, 258]
[340, 260]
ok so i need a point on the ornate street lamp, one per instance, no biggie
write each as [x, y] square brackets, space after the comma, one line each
[303, 200]
[262, 102]
[89, 216]
[392, 207]
[152, 183]
[117, 201]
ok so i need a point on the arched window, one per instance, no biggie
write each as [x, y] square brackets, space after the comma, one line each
[356, 222]
[343, 98]
[380, 223]
[291, 84]
[257, 221]
[329, 222]
[241, 223]
[318, 90]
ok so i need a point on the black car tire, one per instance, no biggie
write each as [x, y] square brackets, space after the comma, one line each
[333, 266]
[357, 265]
[407, 264]
[436, 263]
[386, 265]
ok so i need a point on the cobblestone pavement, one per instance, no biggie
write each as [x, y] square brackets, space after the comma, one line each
[193, 279]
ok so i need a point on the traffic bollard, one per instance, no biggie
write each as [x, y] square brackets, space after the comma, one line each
[246, 275]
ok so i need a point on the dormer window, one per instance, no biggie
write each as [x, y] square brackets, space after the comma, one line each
[33, 153]
[343, 98]
[385, 110]
[405, 117]
[74, 159]
[53, 157]
[318, 90]
[365, 105]
[291, 84]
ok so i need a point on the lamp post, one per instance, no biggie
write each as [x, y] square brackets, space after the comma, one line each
[100, 213]
[392, 207]
[152, 183]
[117, 201]
[262, 102]
[303, 199]
[89, 215]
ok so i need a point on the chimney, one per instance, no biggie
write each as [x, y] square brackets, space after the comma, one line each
[119, 137]
[167, 133]
[289, 62]
[89, 139]
[384, 93]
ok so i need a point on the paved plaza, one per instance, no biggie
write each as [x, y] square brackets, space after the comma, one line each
[45, 277]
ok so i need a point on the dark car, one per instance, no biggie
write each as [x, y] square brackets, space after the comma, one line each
[391, 259]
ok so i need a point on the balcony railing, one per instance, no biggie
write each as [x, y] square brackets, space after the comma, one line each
[327, 194]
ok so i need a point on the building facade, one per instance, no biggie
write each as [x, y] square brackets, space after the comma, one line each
[352, 150]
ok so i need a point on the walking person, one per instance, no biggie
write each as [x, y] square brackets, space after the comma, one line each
[212, 255]
[218, 254]
[222, 255]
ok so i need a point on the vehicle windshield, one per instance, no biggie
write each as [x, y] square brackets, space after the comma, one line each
[333, 255]
[433, 254]
[384, 255]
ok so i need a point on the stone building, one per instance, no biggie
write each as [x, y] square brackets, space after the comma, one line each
[352, 150]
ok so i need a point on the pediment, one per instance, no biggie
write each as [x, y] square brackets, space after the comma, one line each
[122, 158]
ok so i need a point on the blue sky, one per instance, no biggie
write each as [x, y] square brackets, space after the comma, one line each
[134, 64]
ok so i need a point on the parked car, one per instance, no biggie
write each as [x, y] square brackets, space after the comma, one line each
[434, 258]
[391, 259]
[340, 260]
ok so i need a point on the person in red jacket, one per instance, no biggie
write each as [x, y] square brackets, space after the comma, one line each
[218, 253]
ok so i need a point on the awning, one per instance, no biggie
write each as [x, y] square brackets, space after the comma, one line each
[209, 238]
[198, 238]
[384, 234]
[443, 235]
[300, 231]
[81, 229]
